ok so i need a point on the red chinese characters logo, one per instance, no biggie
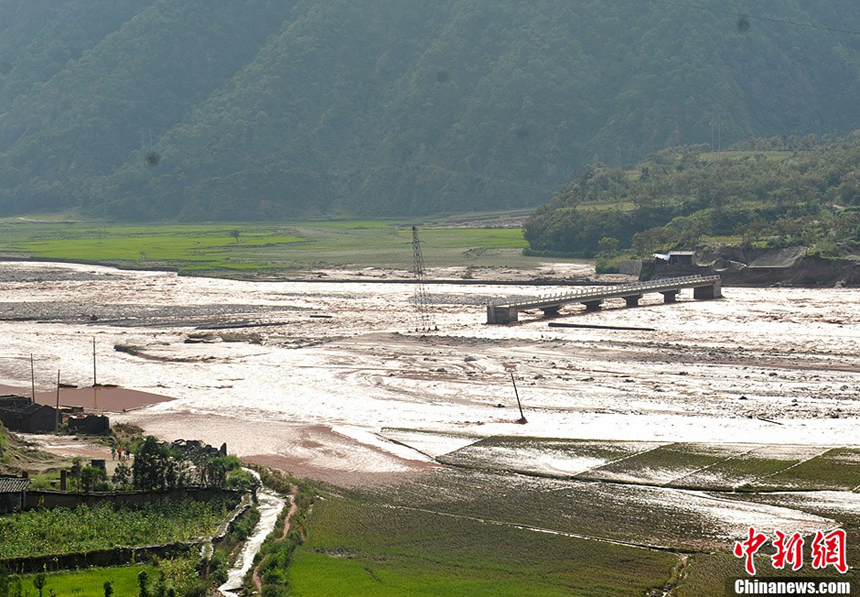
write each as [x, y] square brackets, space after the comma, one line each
[788, 552]
[828, 549]
[749, 548]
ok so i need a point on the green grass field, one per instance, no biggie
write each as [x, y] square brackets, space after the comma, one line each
[90, 583]
[205, 248]
[362, 548]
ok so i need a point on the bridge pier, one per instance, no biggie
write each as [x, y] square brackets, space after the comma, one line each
[593, 305]
[708, 292]
[502, 315]
[632, 300]
[550, 311]
[670, 296]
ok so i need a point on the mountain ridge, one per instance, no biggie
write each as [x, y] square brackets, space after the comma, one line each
[311, 109]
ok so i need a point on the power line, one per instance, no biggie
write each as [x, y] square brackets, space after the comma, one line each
[742, 15]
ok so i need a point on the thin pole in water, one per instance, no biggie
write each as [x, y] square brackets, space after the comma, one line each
[94, 362]
[522, 420]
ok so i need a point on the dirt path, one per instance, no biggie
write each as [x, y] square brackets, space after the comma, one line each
[678, 575]
[293, 507]
[258, 582]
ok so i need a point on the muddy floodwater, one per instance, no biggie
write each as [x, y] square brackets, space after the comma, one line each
[318, 378]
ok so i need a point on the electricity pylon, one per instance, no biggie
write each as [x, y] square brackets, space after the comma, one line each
[425, 317]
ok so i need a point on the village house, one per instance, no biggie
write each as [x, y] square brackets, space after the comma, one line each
[13, 494]
[21, 414]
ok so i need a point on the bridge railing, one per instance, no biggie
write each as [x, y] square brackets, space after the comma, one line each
[585, 294]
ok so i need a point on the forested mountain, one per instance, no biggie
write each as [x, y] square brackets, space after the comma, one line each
[769, 194]
[217, 109]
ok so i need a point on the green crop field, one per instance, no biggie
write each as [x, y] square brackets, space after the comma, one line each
[90, 583]
[728, 466]
[240, 248]
[707, 574]
[209, 245]
[361, 548]
[838, 469]
[502, 479]
[61, 530]
[428, 535]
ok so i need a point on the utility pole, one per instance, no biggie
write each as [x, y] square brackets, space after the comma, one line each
[522, 420]
[57, 411]
[32, 379]
[720, 136]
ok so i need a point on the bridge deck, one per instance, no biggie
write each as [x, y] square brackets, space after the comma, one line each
[505, 310]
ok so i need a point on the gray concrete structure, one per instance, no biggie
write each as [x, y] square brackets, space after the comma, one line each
[504, 311]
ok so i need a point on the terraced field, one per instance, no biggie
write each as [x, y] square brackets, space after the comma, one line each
[585, 509]
[724, 467]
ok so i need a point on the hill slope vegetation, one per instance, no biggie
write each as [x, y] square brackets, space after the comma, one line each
[688, 197]
[214, 109]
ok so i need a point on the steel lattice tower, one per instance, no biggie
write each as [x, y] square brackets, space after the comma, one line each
[425, 318]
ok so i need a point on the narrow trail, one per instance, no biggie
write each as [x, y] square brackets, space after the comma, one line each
[293, 507]
[678, 576]
[258, 581]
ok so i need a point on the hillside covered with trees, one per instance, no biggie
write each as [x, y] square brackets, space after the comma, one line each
[216, 109]
[767, 194]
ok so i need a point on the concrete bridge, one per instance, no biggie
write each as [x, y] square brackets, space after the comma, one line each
[507, 310]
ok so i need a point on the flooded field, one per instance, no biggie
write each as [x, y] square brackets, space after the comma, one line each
[328, 380]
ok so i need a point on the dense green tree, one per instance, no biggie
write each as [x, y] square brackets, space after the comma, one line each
[143, 584]
[122, 475]
[75, 471]
[92, 478]
[152, 466]
[39, 582]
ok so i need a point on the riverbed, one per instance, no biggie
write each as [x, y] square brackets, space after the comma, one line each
[317, 378]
